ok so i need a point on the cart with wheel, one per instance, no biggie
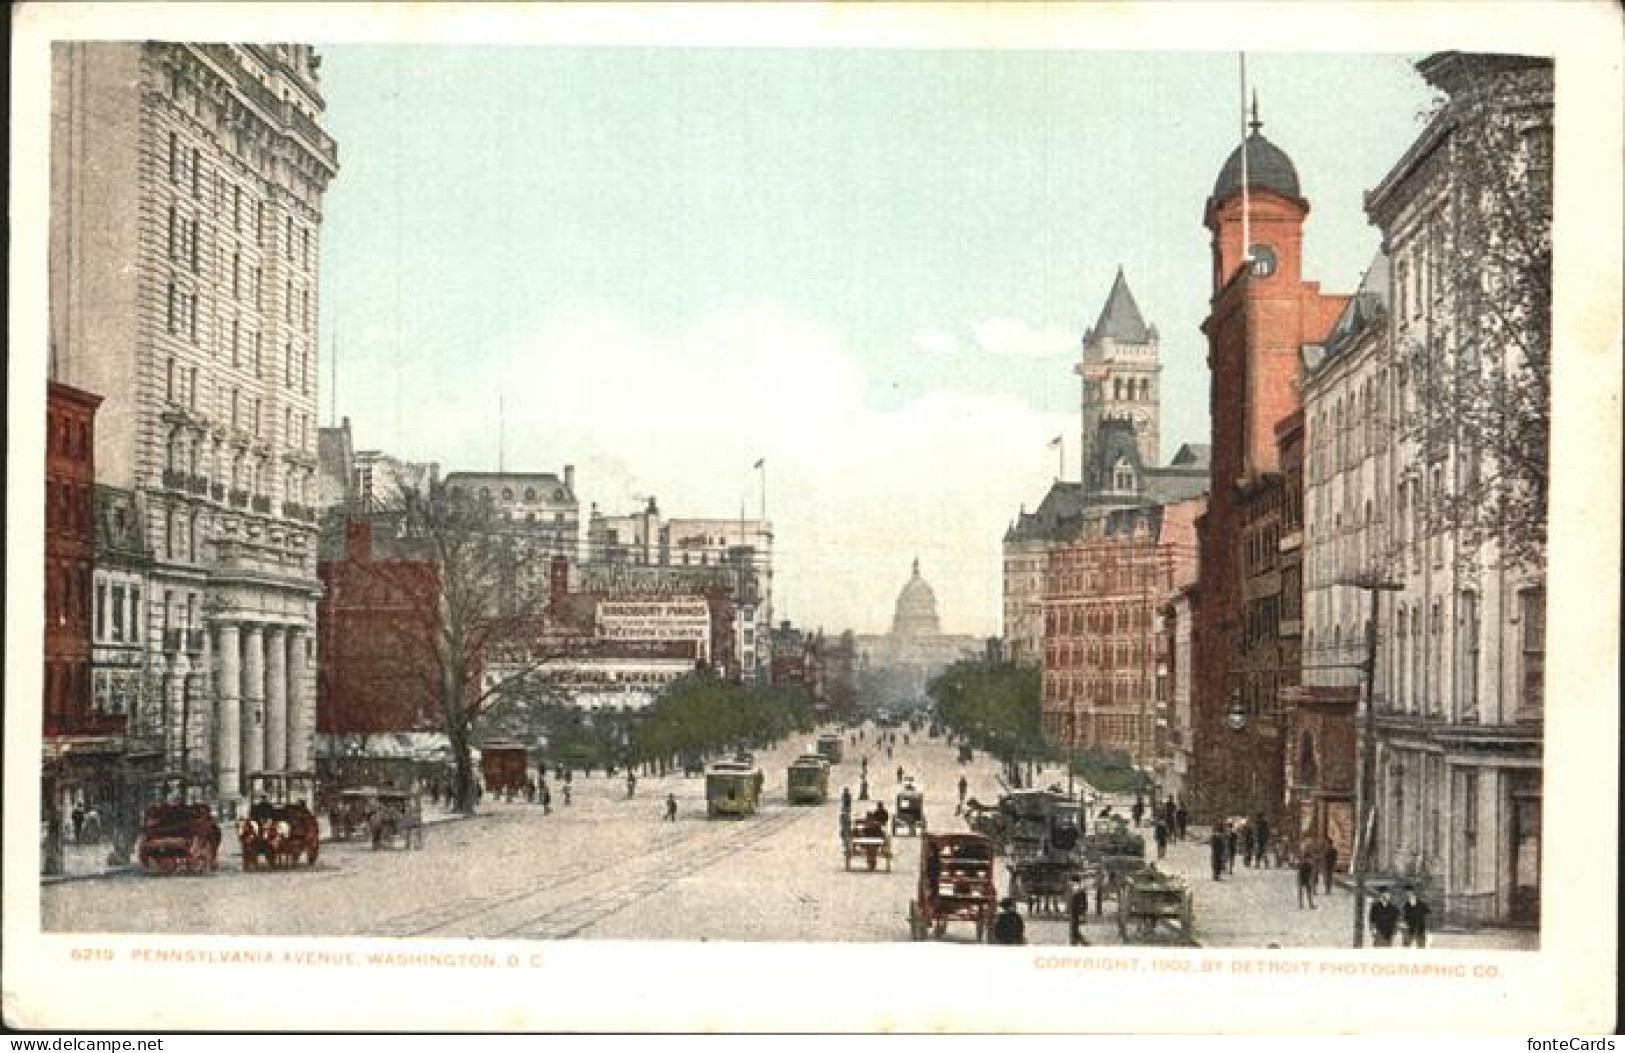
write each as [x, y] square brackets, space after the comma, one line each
[1155, 908]
[397, 817]
[956, 884]
[870, 841]
[910, 811]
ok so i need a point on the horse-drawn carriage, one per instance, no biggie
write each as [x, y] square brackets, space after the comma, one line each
[397, 816]
[350, 811]
[956, 884]
[504, 767]
[869, 840]
[910, 811]
[1113, 854]
[732, 788]
[1154, 907]
[179, 837]
[808, 779]
[280, 827]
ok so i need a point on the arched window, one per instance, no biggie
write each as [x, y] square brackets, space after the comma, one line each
[530, 493]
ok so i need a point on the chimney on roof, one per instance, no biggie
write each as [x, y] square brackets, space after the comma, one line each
[358, 540]
[570, 478]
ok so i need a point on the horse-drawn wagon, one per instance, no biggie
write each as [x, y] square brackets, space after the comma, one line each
[280, 826]
[955, 884]
[910, 811]
[397, 816]
[1154, 907]
[869, 840]
[179, 837]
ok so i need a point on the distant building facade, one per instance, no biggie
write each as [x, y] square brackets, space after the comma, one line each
[896, 667]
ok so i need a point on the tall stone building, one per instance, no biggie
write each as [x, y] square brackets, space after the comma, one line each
[1262, 315]
[896, 667]
[186, 192]
[1121, 412]
[1465, 216]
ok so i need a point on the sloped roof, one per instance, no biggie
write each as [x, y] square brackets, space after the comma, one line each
[1120, 318]
[1368, 307]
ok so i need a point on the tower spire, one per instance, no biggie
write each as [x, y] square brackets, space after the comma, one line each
[1255, 124]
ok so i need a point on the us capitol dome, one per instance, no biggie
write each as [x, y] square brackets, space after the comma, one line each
[916, 613]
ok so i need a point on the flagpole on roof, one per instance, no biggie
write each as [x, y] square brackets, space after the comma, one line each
[1246, 223]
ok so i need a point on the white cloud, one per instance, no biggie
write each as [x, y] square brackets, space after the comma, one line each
[936, 342]
[1012, 336]
[854, 492]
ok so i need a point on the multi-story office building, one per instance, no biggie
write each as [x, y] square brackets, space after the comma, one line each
[186, 206]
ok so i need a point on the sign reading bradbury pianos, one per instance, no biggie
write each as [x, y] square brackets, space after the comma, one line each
[672, 618]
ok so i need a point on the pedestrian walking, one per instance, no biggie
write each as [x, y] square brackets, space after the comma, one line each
[1329, 864]
[1138, 811]
[1077, 908]
[1217, 848]
[963, 788]
[846, 799]
[863, 789]
[547, 798]
[1247, 842]
[671, 808]
[1261, 838]
[899, 771]
[1414, 915]
[631, 783]
[566, 795]
[1232, 841]
[1160, 833]
[1384, 920]
[1182, 826]
[1306, 879]
[846, 829]
[1170, 815]
[78, 823]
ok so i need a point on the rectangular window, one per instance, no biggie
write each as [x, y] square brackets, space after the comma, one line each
[234, 406]
[174, 159]
[191, 387]
[197, 172]
[287, 300]
[1467, 692]
[236, 208]
[287, 366]
[101, 610]
[258, 406]
[191, 317]
[236, 276]
[169, 380]
[1469, 829]
[191, 244]
[259, 223]
[174, 248]
[1532, 615]
[135, 615]
[118, 614]
[259, 363]
[171, 303]
[236, 333]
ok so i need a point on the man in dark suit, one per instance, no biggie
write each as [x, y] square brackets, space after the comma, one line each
[1384, 920]
[1414, 915]
[1219, 850]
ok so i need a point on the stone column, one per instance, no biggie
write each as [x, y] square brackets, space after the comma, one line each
[253, 699]
[174, 711]
[228, 723]
[300, 725]
[276, 698]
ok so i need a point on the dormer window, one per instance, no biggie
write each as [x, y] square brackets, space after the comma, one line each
[1122, 476]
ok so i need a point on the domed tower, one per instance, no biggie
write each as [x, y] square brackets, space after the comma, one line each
[1275, 211]
[1119, 367]
[916, 613]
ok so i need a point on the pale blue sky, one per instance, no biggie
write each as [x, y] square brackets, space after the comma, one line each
[800, 247]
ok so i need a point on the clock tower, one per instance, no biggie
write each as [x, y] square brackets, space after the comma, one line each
[1261, 317]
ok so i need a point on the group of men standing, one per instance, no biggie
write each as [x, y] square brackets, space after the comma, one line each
[1251, 841]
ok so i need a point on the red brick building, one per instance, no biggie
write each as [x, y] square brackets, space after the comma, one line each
[1103, 589]
[1262, 315]
[377, 640]
[81, 744]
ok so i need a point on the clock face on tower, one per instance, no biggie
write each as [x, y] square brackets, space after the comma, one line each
[1263, 258]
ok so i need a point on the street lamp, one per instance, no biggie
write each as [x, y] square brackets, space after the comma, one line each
[1235, 718]
[1365, 771]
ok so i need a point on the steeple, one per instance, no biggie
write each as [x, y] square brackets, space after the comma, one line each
[1120, 318]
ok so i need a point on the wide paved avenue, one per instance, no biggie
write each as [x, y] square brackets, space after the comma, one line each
[609, 867]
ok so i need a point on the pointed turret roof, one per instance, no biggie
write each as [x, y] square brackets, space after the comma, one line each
[1120, 319]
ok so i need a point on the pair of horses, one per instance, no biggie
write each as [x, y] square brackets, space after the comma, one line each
[277, 838]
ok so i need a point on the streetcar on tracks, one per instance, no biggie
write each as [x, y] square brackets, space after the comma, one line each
[829, 746]
[732, 788]
[397, 818]
[909, 813]
[808, 779]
